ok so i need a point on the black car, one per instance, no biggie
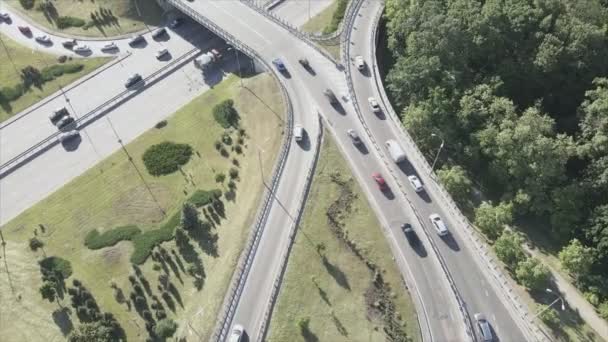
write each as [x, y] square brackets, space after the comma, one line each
[136, 40]
[330, 96]
[133, 80]
[69, 44]
[65, 121]
[410, 234]
[159, 33]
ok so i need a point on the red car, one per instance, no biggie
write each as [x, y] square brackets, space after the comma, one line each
[25, 30]
[380, 181]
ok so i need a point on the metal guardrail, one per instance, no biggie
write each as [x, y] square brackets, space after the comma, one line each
[348, 13]
[531, 329]
[292, 236]
[286, 25]
[244, 265]
[87, 118]
[346, 56]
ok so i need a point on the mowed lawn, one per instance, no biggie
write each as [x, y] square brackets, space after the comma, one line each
[112, 194]
[22, 57]
[332, 293]
[130, 15]
[317, 23]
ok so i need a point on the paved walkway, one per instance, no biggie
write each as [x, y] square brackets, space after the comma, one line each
[576, 300]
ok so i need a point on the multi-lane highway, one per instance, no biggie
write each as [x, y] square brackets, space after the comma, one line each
[434, 291]
[438, 309]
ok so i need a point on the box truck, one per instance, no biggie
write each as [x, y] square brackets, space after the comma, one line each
[395, 151]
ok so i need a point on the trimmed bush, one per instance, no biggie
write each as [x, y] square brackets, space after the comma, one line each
[225, 114]
[57, 70]
[161, 124]
[57, 264]
[234, 173]
[35, 243]
[166, 157]
[8, 94]
[203, 197]
[66, 22]
[337, 17]
[27, 4]
[165, 328]
[94, 240]
[145, 243]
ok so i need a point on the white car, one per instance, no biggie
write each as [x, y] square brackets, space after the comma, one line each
[373, 104]
[236, 335]
[298, 132]
[81, 49]
[44, 39]
[438, 224]
[359, 62]
[109, 47]
[64, 137]
[415, 182]
[484, 328]
[161, 53]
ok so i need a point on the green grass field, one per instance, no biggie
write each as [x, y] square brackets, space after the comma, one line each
[317, 23]
[332, 291]
[22, 57]
[131, 15]
[112, 194]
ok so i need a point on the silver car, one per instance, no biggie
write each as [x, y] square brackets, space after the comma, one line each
[484, 328]
[438, 224]
[236, 335]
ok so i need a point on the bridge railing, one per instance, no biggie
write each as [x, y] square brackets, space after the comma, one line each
[235, 290]
[501, 280]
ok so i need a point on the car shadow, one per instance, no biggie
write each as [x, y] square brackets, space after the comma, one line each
[305, 143]
[419, 248]
[141, 45]
[72, 144]
[362, 148]
[365, 72]
[84, 53]
[388, 193]
[166, 57]
[380, 115]
[8, 21]
[424, 196]
[338, 108]
[451, 242]
[311, 71]
[164, 38]
[407, 168]
[286, 74]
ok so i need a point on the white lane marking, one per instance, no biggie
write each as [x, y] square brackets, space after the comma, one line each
[240, 21]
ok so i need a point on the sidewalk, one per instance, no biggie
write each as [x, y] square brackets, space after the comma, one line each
[576, 300]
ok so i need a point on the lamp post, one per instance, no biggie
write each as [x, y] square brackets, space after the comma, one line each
[438, 152]
[559, 298]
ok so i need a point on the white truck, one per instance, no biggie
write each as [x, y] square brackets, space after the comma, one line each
[207, 59]
[395, 151]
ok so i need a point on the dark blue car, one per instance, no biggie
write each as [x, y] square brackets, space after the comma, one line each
[279, 64]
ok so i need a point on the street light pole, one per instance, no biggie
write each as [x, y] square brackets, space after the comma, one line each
[438, 152]
[559, 298]
[238, 64]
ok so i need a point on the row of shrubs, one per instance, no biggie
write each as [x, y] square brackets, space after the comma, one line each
[203, 197]
[94, 240]
[32, 76]
[67, 22]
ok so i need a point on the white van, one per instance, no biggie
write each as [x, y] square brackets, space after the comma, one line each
[395, 151]
[298, 132]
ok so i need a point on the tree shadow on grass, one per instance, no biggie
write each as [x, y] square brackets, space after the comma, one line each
[62, 319]
[341, 329]
[336, 273]
[206, 240]
[173, 266]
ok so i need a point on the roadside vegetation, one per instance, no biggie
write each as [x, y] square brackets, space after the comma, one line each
[120, 253]
[26, 77]
[341, 283]
[99, 18]
[517, 90]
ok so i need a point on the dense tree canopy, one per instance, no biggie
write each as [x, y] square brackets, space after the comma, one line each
[518, 89]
